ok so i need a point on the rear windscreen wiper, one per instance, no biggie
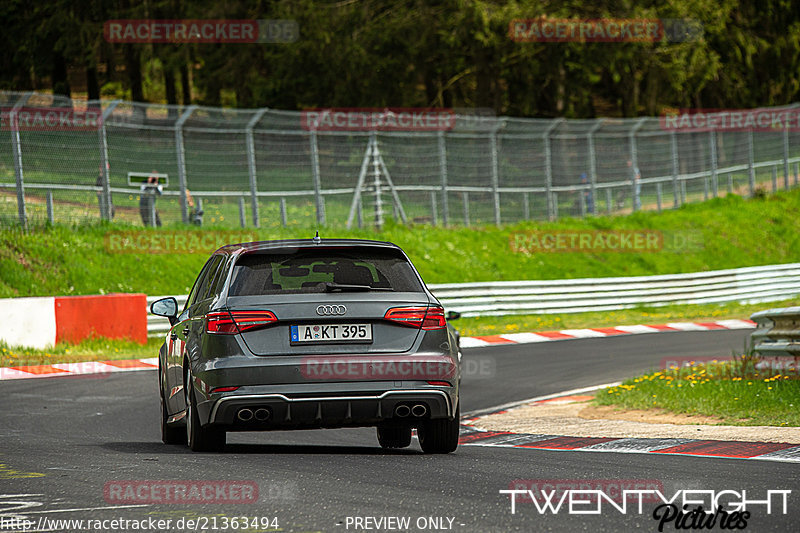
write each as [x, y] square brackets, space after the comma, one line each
[335, 287]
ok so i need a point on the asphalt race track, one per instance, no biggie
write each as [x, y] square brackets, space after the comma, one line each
[66, 439]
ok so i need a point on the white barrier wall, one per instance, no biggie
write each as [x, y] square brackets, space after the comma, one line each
[28, 322]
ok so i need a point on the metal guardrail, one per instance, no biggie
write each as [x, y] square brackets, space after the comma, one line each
[747, 285]
[777, 332]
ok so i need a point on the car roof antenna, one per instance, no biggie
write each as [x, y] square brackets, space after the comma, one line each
[317, 238]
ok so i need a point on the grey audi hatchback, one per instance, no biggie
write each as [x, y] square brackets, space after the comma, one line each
[299, 334]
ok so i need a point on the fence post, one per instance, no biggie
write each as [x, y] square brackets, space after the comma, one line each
[182, 160]
[636, 186]
[592, 170]
[555, 205]
[774, 178]
[495, 177]
[712, 139]
[465, 198]
[251, 164]
[49, 198]
[242, 217]
[609, 205]
[17, 155]
[658, 195]
[443, 173]
[316, 178]
[434, 214]
[105, 205]
[674, 149]
[751, 169]
[284, 220]
[786, 157]
[548, 169]
[526, 206]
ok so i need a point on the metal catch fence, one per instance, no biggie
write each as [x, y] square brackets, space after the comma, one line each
[71, 161]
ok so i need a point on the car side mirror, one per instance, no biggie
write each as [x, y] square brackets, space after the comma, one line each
[453, 315]
[167, 307]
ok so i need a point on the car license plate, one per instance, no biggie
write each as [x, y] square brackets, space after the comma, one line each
[329, 333]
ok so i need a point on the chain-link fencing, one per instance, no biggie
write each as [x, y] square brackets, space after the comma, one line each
[75, 161]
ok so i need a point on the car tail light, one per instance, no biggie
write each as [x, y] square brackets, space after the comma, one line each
[434, 319]
[439, 383]
[423, 317]
[233, 322]
[222, 389]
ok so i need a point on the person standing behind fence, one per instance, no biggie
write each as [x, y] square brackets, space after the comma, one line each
[147, 201]
[195, 211]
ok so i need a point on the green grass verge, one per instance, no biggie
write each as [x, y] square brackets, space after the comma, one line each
[731, 232]
[87, 350]
[736, 392]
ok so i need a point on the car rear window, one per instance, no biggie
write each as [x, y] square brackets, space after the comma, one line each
[307, 271]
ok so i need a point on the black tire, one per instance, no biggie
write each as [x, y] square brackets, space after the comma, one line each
[440, 435]
[392, 436]
[170, 434]
[198, 438]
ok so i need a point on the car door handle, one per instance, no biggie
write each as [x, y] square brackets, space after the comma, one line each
[186, 331]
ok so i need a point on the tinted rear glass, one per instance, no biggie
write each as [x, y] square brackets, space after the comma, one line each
[307, 271]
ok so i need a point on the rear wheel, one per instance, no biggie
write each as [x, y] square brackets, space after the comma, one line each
[441, 435]
[390, 436]
[200, 439]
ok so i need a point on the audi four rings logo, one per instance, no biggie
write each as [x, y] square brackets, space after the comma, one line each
[328, 310]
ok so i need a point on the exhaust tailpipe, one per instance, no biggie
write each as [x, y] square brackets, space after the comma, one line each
[262, 414]
[402, 411]
[419, 410]
[244, 415]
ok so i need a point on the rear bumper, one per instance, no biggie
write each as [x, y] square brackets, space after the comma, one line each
[328, 408]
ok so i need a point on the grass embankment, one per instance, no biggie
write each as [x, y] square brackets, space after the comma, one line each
[88, 350]
[742, 392]
[727, 233]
